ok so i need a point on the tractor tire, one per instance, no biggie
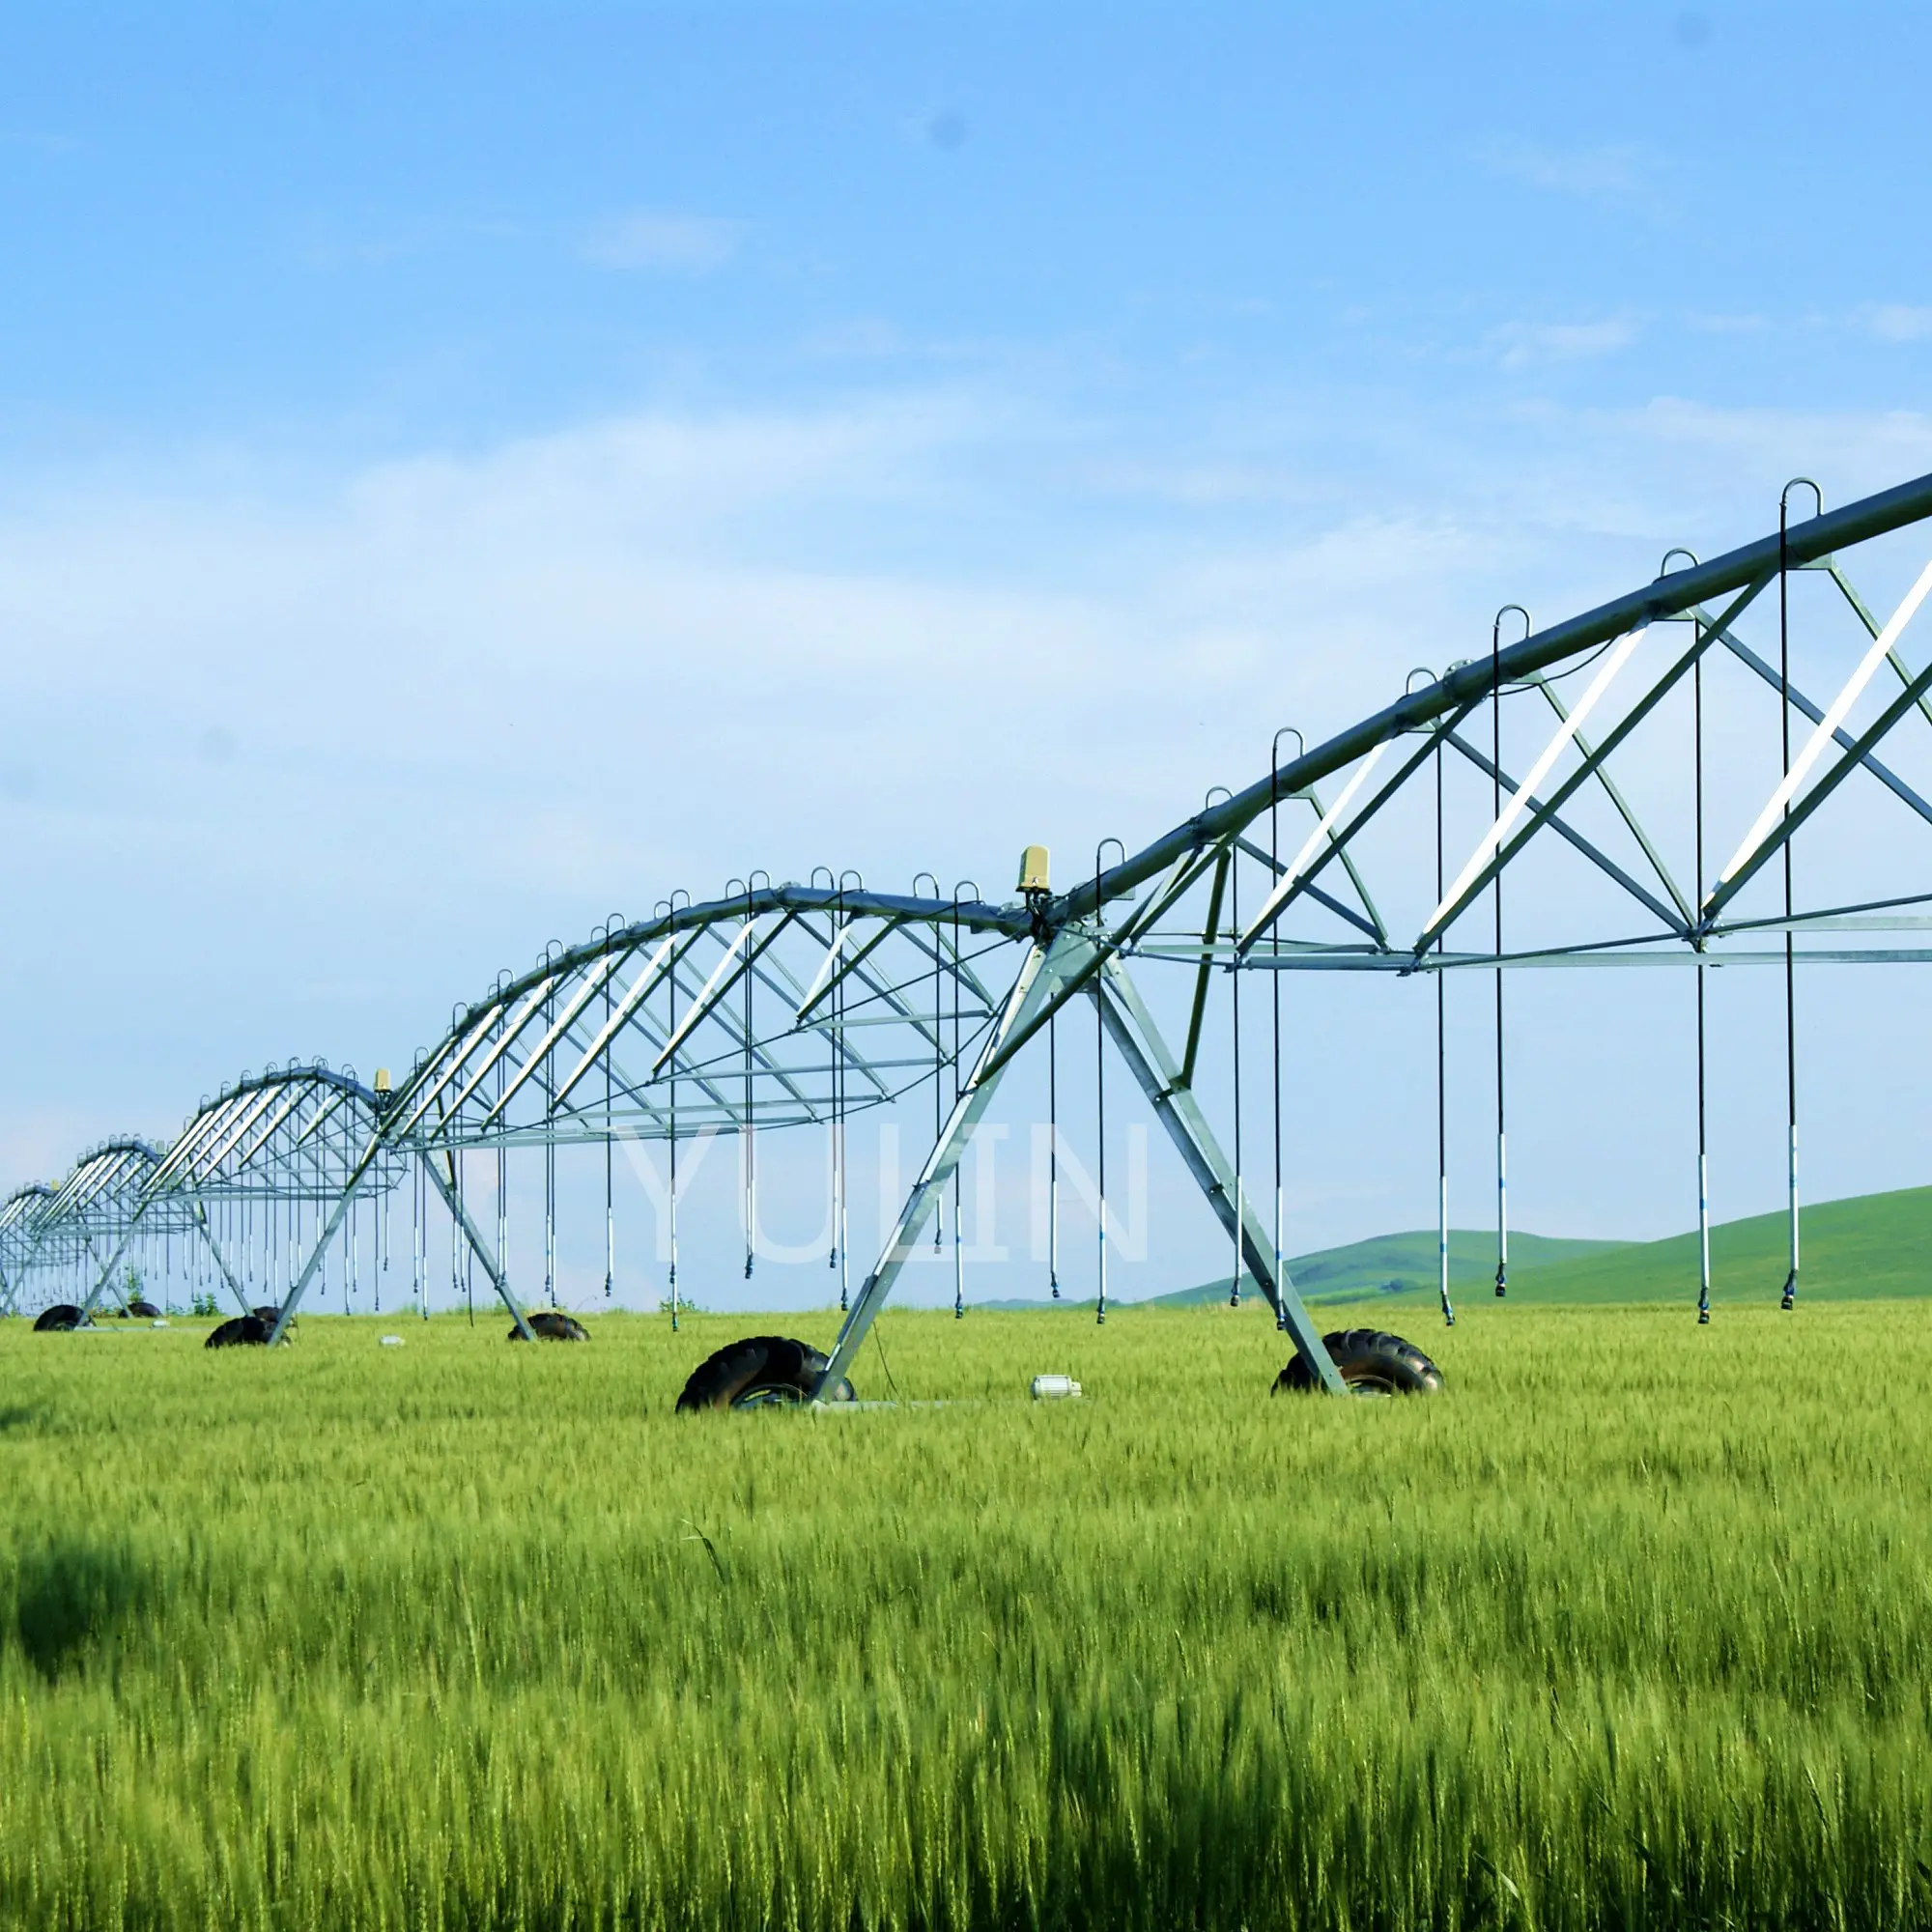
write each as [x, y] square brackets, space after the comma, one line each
[762, 1372]
[1372, 1363]
[242, 1331]
[58, 1320]
[552, 1325]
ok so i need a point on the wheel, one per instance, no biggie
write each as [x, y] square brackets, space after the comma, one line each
[1372, 1363]
[764, 1370]
[552, 1325]
[243, 1331]
[57, 1319]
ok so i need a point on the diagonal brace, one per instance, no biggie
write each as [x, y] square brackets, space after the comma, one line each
[1872, 627]
[1210, 931]
[1782, 835]
[1328, 900]
[1680, 921]
[1289, 887]
[1044, 970]
[1883, 773]
[1625, 811]
[1132, 1030]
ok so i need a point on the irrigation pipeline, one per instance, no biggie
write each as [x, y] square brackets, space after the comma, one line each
[780, 1004]
[1669, 596]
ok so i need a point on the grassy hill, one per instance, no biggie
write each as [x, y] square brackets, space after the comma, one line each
[1871, 1245]
[1391, 1264]
[1407, 1264]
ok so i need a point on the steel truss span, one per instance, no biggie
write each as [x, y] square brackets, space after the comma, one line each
[1526, 775]
[772, 1007]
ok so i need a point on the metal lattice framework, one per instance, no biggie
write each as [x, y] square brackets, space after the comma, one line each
[787, 1004]
[775, 1007]
[288, 1138]
[292, 1134]
[22, 1221]
[87, 1222]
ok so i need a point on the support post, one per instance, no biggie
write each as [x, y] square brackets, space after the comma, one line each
[228, 1275]
[337, 1215]
[11, 1290]
[106, 1275]
[481, 1248]
[1139, 1042]
[1045, 966]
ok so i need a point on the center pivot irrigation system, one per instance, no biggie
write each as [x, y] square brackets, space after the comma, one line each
[785, 1006]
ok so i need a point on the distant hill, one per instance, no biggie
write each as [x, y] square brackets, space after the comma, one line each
[1407, 1264]
[1870, 1245]
[1389, 1264]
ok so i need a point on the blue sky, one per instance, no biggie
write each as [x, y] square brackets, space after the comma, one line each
[351, 230]
[463, 471]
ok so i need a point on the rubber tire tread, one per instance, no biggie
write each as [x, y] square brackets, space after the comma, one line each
[552, 1325]
[60, 1320]
[241, 1331]
[759, 1362]
[1369, 1358]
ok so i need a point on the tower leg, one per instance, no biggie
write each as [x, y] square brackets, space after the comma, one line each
[1132, 1030]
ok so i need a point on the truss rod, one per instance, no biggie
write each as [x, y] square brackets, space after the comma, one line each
[1673, 594]
[1281, 900]
[1492, 840]
[1829, 725]
[1625, 811]
[1871, 624]
[1341, 911]
[1564, 830]
[1742, 869]
[1879, 770]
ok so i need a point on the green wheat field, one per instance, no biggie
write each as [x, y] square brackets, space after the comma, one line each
[1632, 1627]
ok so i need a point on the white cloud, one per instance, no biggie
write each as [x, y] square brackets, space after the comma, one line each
[1520, 345]
[864, 338]
[1897, 321]
[678, 244]
[1617, 171]
[471, 703]
[489, 699]
[1850, 452]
